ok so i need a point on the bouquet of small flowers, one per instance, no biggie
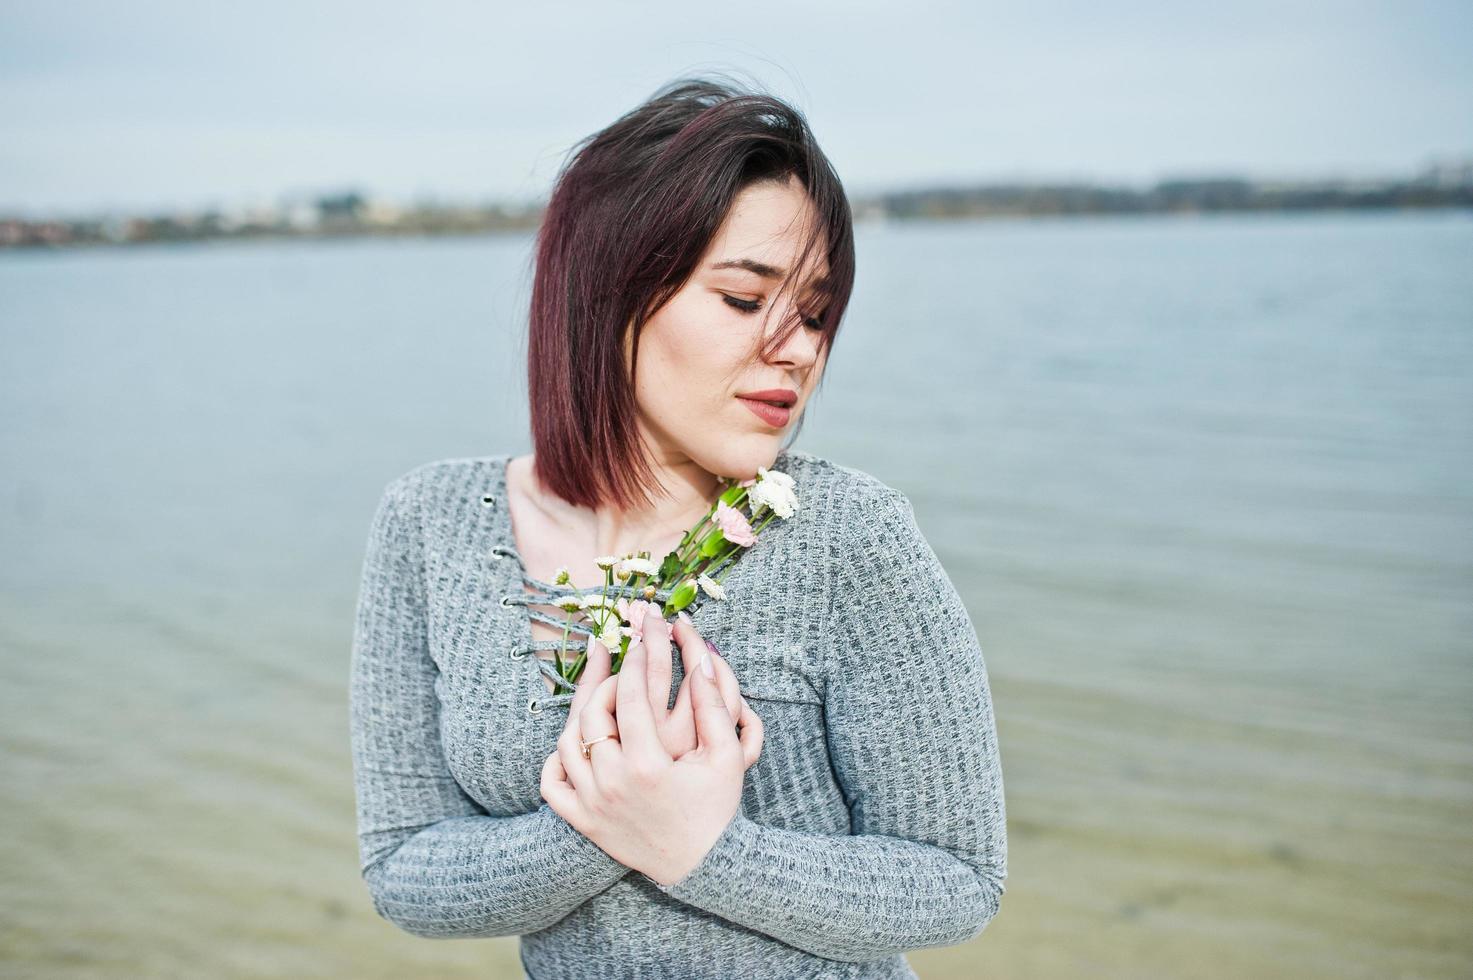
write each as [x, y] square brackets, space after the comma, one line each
[740, 513]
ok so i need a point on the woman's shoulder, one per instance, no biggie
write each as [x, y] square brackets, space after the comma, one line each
[858, 515]
[832, 491]
[438, 482]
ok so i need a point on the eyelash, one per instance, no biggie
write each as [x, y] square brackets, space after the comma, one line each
[752, 306]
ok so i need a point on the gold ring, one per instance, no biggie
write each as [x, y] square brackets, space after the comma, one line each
[589, 742]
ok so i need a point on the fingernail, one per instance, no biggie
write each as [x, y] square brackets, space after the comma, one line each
[706, 667]
[712, 647]
[684, 618]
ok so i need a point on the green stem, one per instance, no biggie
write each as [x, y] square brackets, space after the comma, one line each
[690, 566]
[578, 666]
[695, 533]
[567, 626]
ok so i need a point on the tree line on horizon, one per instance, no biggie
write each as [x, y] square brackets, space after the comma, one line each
[352, 213]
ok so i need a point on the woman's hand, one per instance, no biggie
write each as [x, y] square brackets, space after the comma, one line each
[555, 771]
[677, 725]
[649, 811]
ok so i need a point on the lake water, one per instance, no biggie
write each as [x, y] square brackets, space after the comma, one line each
[1206, 485]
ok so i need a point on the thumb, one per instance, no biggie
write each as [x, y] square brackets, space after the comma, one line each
[713, 722]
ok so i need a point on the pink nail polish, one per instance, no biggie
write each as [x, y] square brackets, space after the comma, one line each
[706, 667]
[712, 647]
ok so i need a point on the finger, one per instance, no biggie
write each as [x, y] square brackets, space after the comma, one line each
[691, 645]
[552, 769]
[656, 633]
[751, 740]
[636, 722]
[560, 794]
[731, 691]
[570, 752]
[680, 715]
[598, 719]
[595, 719]
[595, 668]
[713, 722]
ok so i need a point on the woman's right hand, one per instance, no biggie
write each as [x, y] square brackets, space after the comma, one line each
[677, 726]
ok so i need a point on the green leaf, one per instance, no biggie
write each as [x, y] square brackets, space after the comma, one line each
[713, 544]
[670, 567]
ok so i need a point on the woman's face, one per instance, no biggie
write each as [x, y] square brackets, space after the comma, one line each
[695, 353]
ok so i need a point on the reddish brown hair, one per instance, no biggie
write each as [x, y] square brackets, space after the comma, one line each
[633, 210]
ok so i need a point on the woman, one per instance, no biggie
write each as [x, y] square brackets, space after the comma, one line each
[828, 795]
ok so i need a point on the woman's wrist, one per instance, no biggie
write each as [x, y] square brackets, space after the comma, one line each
[682, 867]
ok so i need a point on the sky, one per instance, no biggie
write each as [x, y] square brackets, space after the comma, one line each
[139, 106]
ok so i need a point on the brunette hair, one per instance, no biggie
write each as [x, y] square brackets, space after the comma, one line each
[633, 209]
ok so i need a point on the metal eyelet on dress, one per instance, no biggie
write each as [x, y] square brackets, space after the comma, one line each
[533, 707]
[516, 653]
[488, 499]
[504, 603]
[498, 552]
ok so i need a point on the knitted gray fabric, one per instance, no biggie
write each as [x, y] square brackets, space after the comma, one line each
[873, 823]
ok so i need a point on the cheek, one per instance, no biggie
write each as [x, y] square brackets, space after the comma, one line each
[690, 352]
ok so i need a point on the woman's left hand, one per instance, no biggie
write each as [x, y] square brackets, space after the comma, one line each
[651, 812]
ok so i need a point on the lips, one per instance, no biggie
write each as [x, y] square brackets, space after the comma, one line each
[784, 397]
[776, 416]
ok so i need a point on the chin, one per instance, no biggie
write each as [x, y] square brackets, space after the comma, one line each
[738, 457]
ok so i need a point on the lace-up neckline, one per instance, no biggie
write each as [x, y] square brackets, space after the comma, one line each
[534, 592]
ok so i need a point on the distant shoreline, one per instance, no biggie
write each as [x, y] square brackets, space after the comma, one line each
[353, 215]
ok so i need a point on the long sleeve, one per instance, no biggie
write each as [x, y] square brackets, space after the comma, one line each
[436, 864]
[913, 743]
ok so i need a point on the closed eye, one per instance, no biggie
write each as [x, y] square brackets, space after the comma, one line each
[752, 306]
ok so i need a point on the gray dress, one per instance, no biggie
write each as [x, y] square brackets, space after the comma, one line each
[872, 824]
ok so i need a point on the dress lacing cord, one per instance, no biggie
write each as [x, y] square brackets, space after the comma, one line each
[547, 593]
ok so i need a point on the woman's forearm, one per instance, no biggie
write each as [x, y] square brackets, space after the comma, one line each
[850, 898]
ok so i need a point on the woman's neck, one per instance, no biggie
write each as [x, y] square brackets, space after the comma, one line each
[611, 531]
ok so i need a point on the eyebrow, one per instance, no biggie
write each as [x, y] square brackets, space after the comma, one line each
[752, 265]
[764, 270]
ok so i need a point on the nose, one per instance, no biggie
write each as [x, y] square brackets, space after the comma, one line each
[800, 349]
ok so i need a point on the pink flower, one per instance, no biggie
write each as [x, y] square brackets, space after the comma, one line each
[733, 525]
[633, 614]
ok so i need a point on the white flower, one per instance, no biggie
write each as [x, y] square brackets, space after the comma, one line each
[772, 494]
[638, 566]
[606, 562]
[569, 603]
[711, 586]
[611, 637]
[598, 599]
[563, 576]
[777, 476]
[789, 505]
